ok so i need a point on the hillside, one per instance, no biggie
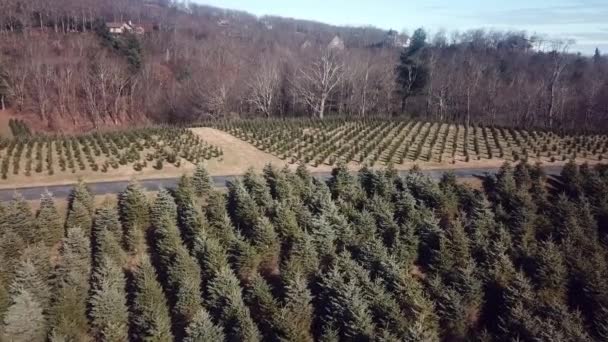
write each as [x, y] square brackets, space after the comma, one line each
[61, 69]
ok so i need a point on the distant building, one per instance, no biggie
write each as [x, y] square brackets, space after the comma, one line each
[122, 28]
[336, 44]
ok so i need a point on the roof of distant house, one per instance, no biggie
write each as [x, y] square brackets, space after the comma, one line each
[115, 24]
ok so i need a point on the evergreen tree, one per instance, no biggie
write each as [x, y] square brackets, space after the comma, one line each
[21, 220]
[108, 309]
[79, 217]
[135, 216]
[226, 303]
[181, 272]
[106, 237]
[202, 329]
[297, 315]
[68, 314]
[201, 181]
[345, 307]
[189, 218]
[258, 189]
[48, 222]
[150, 315]
[344, 186]
[551, 272]
[24, 321]
[242, 208]
[28, 278]
[571, 179]
[412, 73]
[80, 193]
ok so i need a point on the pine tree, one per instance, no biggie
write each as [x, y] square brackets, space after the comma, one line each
[135, 216]
[571, 179]
[266, 307]
[106, 237]
[108, 308]
[48, 222]
[150, 314]
[345, 307]
[258, 189]
[303, 259]
[68, 314]
[80, 193]
[79, 217]
[202, 329]
[551, 272]
[343, 185]
[21, 219]
[191, 221]
[266, 241]
[297, 315]
[242, 208]
[226, 303]
[24, 321]
[181, 272]
[28, 278]
[201, 181]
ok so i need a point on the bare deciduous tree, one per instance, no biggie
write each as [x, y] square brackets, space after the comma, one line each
[264, 85]
[315, 83]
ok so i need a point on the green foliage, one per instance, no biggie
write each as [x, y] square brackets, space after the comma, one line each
[202, 329]
[108, 309]
[149, 311]
[286, 257]
[135, 216]
[48, 222]
[24, 320]
[226, 303]
[68, 314]
[201, 181]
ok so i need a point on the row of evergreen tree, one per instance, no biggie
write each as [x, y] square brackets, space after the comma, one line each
[283, 256]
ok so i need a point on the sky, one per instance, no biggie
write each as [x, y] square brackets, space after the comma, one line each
[585, 21]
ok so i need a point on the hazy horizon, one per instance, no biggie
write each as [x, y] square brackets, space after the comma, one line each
[579, 20]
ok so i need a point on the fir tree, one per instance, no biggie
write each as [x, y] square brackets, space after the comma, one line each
[21, 220]
[201, 181]
[135, 216]
[150, 314]
[68, 314]
[79, 217]
[108, 309]
[226, 302]
[258, 189]
[202, 329]
[48, 222]
[242, 208]
[24, 321]
[28, 278]
[189, 218]
[80, 193]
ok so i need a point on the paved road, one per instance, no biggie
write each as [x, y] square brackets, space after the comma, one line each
[105, 188]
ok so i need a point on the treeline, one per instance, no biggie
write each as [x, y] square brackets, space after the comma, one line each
[197, 62]
[285, 257]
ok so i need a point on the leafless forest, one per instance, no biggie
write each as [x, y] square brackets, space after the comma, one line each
[60, 68]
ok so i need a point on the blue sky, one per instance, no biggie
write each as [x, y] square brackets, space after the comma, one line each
[585, 21]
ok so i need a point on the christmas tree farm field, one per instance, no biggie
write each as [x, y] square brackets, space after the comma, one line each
[402, 143]
[38, 159]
